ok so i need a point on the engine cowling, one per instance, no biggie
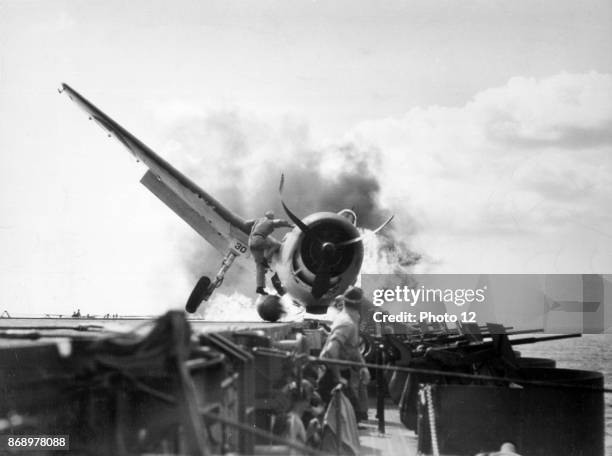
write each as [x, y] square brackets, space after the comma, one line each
[301, 256]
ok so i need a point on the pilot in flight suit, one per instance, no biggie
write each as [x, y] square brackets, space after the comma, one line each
[263, 246]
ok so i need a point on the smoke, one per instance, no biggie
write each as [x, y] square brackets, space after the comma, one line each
[239, 160]
[235, 306]
[387, 254]
[513, 181]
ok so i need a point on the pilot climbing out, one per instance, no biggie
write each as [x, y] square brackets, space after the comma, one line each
[263, 246]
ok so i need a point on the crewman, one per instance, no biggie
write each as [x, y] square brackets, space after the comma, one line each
[263, 246]
[343, 343]
[288, 424]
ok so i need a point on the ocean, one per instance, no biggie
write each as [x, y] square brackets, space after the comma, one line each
[590, 352]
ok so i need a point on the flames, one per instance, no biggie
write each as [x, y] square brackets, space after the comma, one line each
[383, 254]
[239, 159]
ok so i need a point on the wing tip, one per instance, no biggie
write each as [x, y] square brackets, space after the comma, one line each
[66, 88]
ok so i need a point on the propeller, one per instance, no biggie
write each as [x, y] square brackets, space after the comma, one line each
[322, 281]
[360, 238]
[328, 250]
[294, 218]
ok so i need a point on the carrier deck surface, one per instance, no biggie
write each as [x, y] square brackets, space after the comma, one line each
[19, 333]
[396, 439]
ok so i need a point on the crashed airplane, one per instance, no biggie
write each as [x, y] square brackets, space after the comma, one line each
[317, 260]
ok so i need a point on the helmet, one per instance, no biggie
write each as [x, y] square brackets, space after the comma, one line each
[508, 447]
[352, 297]
[269, 214]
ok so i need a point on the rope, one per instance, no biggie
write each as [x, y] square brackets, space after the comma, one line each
[432, 422]
[414, 370]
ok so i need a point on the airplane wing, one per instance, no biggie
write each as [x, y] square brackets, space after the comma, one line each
[222, 228]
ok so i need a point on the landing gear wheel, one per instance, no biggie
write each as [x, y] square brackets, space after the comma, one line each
[197, 295]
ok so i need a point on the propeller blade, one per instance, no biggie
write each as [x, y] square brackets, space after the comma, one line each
[323, 276]
[357, 239]
[322, 281]
[384, 224]
[294, 218]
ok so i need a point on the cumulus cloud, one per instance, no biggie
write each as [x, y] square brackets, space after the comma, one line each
[516, 180]
[516, 162]
[565, 111]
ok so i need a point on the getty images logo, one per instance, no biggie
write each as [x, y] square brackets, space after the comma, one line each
[413, 296]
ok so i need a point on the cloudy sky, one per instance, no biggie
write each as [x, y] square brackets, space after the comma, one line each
[486, 126]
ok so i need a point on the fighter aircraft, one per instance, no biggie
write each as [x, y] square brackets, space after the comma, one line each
[316, 261]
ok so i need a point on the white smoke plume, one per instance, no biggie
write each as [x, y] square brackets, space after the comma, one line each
[236, 306]
[514, 181]
[239, 160]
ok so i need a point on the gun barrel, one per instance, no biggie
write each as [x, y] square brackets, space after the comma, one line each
[532, 340]
[525, 331]
[488, 344]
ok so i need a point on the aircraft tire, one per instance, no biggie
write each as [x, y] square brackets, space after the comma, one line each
[317, 309]
[197, 295]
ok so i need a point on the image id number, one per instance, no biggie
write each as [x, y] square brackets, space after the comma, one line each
[33, 442]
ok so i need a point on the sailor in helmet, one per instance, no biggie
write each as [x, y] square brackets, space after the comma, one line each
[263, 246]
